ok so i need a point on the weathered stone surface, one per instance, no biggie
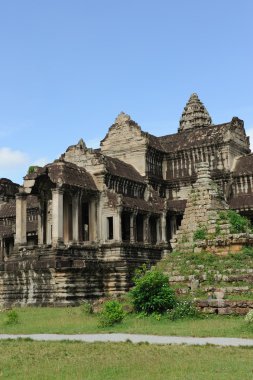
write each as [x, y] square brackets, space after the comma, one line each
[68, 276]
[203, 205]
[225, 307]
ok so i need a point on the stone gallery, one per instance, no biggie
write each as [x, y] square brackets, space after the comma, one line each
[78, 227]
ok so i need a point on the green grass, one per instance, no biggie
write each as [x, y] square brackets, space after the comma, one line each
[185, 263]
[72, 321]
[124, 361]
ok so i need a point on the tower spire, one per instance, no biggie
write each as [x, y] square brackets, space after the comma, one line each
[194, 115]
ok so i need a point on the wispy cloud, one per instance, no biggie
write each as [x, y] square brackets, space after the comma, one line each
[10, 158]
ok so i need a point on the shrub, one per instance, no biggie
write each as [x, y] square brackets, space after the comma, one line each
[217, 229]
[249, 317]
[112, 313]
[237, 222]
[152, 293]
[12, 318]
[183, 309]
[86, 307]
[247, 251]
[200, 234]
[32, 169]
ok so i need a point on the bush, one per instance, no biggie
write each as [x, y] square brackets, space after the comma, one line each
[237, 222]
[12, 318]
[86, 307]
[32, 169]
[200, 234]
[152, 293]
[247, 251]
[184, 309]
[112, 313]
[249, 317]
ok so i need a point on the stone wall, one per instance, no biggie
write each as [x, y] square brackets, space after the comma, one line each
[224, 307]
[47, 276]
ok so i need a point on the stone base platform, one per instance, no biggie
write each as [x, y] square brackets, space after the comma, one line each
[43, 276]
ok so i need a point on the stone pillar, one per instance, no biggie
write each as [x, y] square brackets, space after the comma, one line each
[146, 237]
[132, 227]
[93, 220]
[1, 250]
[48, 221]
[21, 202]
[158, 231]
[163, 228]
[117, 231]
[57, 215]
[40, 224]
[75, 217]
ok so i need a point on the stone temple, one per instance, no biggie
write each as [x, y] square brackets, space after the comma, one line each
[78, 227]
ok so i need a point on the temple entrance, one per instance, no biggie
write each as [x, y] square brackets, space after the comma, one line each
[153, 230]
[139, 227]
[173, 222]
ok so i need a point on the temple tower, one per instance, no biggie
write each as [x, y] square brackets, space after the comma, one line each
[194, 115]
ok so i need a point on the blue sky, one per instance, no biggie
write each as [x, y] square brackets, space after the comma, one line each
[67, 69]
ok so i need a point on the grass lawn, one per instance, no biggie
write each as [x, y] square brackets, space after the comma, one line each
[125, 361]
[73, 320]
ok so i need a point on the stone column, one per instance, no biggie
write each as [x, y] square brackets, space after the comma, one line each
[132, 227]
[75, 217]
[146, 237]
[1, 250]
[163, 228]
[117, 231]
[40, 224]
[158, 231]
[57, 215]
[21, 202]
[48, 221]
[93, 220]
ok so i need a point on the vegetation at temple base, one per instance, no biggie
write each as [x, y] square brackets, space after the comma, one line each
[238, 223]
[196, 263]
[249, 317]
[152, 293]
[12, 317]
[184, 309]
[200, 234]
[72, 320]
[112, 313]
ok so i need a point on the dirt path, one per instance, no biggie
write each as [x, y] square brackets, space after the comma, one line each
[134, 338]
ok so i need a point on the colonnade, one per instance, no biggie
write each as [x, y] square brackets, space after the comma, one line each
[70, 218]
[62, 219]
